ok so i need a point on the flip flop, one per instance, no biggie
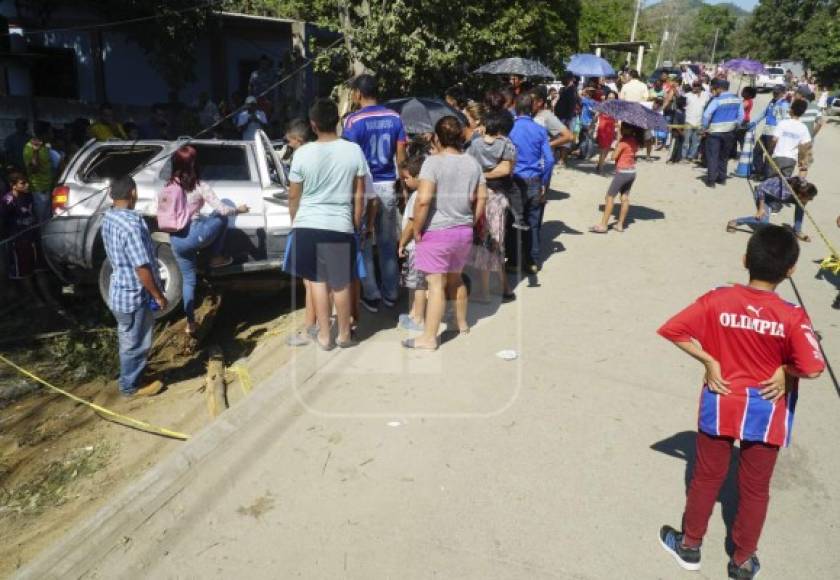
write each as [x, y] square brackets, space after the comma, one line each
[349, 343]
[409, 343]
[597, 230]
[324, 347]
[618, 229]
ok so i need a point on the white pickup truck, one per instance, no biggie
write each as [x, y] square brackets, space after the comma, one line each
[240, 172]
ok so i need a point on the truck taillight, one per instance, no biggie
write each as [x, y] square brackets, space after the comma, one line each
[59, 198]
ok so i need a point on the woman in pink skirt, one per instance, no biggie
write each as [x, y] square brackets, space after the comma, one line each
[452, 193]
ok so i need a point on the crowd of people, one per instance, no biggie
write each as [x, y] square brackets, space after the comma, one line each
[446, 214]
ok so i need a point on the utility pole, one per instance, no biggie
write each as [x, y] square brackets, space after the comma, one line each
[635, 26]
[714, 46]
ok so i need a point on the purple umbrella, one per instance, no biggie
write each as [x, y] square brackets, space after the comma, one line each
[744, 65]
[633, 114]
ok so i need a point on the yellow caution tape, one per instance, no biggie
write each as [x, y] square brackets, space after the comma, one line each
[832, 262]
[141, 425]
[244, 377]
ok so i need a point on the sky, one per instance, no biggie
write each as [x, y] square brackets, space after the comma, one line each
[745, 4]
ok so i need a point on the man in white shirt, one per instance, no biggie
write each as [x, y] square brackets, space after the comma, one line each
[789, 135]
[635, 90]
[251, 119]
[695, 102]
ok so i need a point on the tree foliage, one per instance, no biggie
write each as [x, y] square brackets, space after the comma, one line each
[699, 41]
[421, 46]
[807, 30]
[604, 21]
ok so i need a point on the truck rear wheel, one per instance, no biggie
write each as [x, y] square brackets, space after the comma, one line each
[170, 276]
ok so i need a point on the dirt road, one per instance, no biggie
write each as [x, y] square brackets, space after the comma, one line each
[380, 463]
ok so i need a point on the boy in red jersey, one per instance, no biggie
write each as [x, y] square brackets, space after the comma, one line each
[742, 335]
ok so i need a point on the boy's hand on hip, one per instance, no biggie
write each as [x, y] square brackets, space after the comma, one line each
[775, 387]
[714, 378]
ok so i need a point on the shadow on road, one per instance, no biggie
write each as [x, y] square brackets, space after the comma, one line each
[682, 445]
[639, 212]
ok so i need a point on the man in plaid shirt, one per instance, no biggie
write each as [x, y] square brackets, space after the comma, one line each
[134, 283]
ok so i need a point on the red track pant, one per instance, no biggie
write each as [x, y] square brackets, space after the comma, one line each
[755, 469]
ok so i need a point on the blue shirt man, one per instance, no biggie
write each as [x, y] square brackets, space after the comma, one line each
[778, 109]
[723, 114]
[380, 133]
[531, 176]
[134, 280]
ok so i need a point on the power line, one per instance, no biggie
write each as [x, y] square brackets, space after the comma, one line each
[113, 23]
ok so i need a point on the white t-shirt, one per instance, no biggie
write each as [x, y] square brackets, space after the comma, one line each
[635, 91]
[790, 134]
[408, 214]
[694, 105]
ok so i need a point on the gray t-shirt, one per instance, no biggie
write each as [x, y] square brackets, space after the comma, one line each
[489, 155]
[549, 121]
[456, 179]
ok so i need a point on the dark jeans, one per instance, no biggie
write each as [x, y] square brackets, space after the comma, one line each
[533, 208]
[718, 147]
[760, 165]
[677, 144]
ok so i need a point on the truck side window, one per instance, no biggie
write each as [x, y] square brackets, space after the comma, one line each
[218, 163]
[114, 162]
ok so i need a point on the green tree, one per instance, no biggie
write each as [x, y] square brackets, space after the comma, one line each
[774, 26]
[819, 43]
[604, 21]
[699, 40]
[422, 46]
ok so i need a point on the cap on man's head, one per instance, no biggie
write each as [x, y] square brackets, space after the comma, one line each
[778, 90]
[722, 84]
[367, 86]
[805, 92]
[251, 100]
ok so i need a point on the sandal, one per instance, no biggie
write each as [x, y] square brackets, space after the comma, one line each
[599, 229]
[325, 347]
[618, 228]
[410, 343]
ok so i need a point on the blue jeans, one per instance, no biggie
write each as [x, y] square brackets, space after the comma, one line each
[691, 145]
[206, 231]
[385, 226]
[134, 332]
[764, 219]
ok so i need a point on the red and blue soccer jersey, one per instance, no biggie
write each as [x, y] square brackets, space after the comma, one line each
[751, 333]
[377, 130]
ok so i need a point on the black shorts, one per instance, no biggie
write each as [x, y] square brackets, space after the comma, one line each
[621, 183]
[322, 256]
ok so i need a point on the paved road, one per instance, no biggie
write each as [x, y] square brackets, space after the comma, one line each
[561, 464]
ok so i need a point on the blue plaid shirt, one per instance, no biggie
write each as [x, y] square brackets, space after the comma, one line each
[128, 245]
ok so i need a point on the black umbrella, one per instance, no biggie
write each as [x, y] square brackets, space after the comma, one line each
[419, 115]
[516, 66]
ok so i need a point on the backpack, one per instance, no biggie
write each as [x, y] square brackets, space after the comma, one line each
[172, 214]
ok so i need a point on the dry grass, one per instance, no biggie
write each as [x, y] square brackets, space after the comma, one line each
[53, 485]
